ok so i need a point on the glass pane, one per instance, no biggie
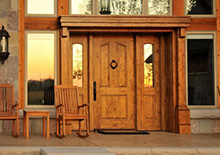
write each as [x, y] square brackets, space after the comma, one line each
[77, 65]
[158, 7]
[40, 68]
[200, 72]
[199, 7]
[148, 66]
[81, 6]
[40, 7]
[122, 7]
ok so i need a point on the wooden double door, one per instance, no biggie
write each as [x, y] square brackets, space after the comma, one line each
[114, 70]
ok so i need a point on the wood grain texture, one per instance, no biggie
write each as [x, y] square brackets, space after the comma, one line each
[8, 108]
[178, 7]
[114, 108]
[200, 24]
[148, 98]
[182, 118]
[63, 7]
[69, 108]
[83, 91]
[93, 21]
[44, 114]
[38, 23]
[21, 56]
[218, 45]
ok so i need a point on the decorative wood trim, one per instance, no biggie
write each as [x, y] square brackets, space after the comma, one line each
[65, 32]
[182, 33]
[206, 24]
[105, 21]
[21, 54]
[218, 46]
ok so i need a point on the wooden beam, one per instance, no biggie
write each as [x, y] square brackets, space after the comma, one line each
[21, 55]
[199, 24]
[41, 23]
[218, 47]
[178, 7]
[93, 21]
[63, 7]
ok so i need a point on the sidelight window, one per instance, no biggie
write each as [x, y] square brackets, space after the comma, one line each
[77, 65]
[201, 70]
[40, 64]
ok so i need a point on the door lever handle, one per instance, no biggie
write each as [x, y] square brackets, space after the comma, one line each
[94, 91]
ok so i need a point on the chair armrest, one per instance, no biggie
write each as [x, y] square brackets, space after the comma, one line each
[60, 105]
[83, 105]
[16, 104]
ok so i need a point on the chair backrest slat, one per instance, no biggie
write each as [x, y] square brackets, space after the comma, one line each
[6, 99]
[68, 96]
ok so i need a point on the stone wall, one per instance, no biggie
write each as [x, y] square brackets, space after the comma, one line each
[9, 18]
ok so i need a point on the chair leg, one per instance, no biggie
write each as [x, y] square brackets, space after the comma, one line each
[87, 130]
[13, 128]
[87, 126]
[17, 127]
[64, 126]
[58, 127]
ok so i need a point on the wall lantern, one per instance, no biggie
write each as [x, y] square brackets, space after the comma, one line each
[105, 7]
[4, 35]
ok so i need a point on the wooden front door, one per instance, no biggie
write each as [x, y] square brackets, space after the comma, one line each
[148, 82]
[113, 81]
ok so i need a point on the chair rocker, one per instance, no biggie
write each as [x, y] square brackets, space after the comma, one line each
[8, 109]
[69, 109]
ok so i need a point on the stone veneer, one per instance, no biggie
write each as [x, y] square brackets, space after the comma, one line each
[9, 16]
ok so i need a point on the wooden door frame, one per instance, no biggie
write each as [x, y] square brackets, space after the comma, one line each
[174, 25]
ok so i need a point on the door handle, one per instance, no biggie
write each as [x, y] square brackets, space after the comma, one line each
[94, 91]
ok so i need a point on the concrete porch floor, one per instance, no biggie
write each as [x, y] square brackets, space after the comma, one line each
[155, 139]
[154, 144]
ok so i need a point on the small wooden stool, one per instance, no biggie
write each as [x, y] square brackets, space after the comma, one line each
[43, 114]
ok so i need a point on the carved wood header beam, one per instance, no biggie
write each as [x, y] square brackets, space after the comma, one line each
[104, 21]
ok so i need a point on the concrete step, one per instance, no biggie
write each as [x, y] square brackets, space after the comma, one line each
[75, 151]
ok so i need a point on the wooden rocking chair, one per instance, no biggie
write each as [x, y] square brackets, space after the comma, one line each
[9, 110]
[68, 109]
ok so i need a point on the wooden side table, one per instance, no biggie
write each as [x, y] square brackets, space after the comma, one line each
[43, 114]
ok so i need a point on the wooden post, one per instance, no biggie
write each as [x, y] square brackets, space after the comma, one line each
[182, 111]
[64, 56]
[218, 47]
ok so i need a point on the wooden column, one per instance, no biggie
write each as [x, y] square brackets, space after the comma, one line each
[182, 111]
[21, 55]
[218, 47]
[64, 56]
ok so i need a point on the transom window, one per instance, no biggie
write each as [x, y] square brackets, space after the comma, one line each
[41, 8]
[200, 8]
[121, 7]
[201, 74]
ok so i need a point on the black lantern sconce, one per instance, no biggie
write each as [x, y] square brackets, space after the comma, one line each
[4, 36]
[105, 7]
